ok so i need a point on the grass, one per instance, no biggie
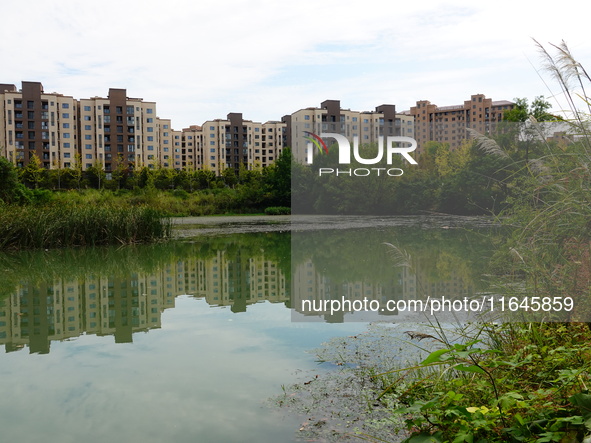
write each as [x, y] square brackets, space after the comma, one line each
[57, 226]
[518, 382]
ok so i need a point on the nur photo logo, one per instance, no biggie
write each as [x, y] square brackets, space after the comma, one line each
[387, 148]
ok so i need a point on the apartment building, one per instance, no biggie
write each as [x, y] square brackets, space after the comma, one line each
[117, 130]
[447, 124]
[366, 126]
[57, 128]
[234, 142]
[33, 122]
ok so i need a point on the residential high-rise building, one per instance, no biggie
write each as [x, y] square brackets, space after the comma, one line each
[117, 130]
[234, 142]
[33, 122]
[366, 126]
[447, 124]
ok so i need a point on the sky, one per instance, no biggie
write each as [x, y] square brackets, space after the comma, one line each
[201, 59]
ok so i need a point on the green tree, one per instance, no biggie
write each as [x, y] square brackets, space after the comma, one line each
[205, 178]
[76, 171]
[11, 190]
[33, 173]
[522, 111]
[229, 177]
[120, 171]
[96, 175]
[277, 179]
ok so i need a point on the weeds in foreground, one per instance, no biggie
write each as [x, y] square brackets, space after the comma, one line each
[532, 388]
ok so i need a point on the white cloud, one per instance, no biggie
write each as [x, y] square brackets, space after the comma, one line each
[201, 60]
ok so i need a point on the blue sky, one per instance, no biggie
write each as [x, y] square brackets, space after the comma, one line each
[201, 60]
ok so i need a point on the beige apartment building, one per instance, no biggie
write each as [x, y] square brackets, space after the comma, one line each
[117, 130]
[120, 131]
[366, 126]
[234, 142]
[447, 124]
[33, 122]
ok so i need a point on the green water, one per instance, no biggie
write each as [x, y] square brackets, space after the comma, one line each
[186, 341]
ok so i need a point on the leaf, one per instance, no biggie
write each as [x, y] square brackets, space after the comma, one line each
[422, 438]
[583, 402]
[435, 356]
[471, 368]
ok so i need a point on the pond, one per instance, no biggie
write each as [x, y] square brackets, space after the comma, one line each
[186, 341]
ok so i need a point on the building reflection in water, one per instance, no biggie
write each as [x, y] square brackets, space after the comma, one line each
[37, 313]
[118, 294]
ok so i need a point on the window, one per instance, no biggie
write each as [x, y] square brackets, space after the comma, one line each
[212, 142]
[66, 155]
[65, 115]
[87, 118]
[88, 137]
[66, 135]
[66, 145]
[212, 150]
[149, 120]
[66, 125]
[87, 108]
[88, 146]
[306, 117]
[149, 111]
[150, 138]
[150, 147]
[212, 128]
[65, 105]
[165, 126]
[150, 129]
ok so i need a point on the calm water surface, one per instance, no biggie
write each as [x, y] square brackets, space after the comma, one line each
[186, 341]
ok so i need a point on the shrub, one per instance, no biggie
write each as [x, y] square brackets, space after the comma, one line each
[278, 210]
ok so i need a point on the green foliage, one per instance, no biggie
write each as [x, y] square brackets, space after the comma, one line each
[277, 210]
[73, 225]
[522, 110]
[33, 174]
[11, 190]
[531, 388]
[462, 181]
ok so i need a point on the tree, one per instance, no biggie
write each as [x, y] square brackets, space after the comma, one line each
[96, 174]
[277, 179]
[11, 190]
[33, 173]
[522, 111]
[119, 172]
[76, 172]
[229, 176]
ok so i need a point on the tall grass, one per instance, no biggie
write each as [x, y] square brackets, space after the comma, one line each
[58, 226]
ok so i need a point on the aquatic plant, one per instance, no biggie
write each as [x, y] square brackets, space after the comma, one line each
[58, 226]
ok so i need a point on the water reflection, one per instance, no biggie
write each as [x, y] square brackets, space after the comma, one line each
[64, 294]
[59, 295]
[377, 266]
